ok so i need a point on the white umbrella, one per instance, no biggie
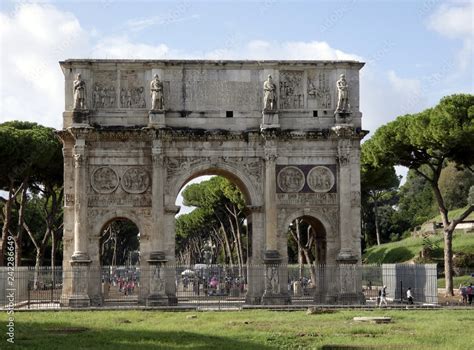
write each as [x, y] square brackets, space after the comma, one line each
[187, 272]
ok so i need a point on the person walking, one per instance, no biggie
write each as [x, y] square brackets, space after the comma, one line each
[383, 295]
[409, 296]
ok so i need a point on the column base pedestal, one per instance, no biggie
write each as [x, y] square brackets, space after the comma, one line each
[79, 301]
[276, 299]
[161, 300]
[253, 300]
[343, 117]
[80, 118]
[156, 119]
[347, 258]
[269, 121]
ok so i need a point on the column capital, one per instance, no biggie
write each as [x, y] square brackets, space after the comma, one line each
[344, 150]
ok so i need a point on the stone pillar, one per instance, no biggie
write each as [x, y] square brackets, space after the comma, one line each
[347, 277]
[157, 266]
[346, 255]
[270, 199]
[255, 268]
[161, 286]
[80, 258]
[80, 204]
[276, 290]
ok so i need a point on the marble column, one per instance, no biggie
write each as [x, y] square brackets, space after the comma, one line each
[80, 262]
[270, 200]
[158, 256]
[276, 292]
[346, 253]
[80, 202]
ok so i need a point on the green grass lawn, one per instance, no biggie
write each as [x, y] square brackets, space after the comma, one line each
[457, 280]
[430, 329]
[407, 249]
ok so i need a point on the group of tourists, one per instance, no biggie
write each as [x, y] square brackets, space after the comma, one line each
[466, 293]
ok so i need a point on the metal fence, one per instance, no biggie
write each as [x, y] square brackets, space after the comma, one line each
[219, 286]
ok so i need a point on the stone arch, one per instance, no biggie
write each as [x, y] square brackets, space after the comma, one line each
[115, 214]
[249, 188]
[316, 219]
[308, 212]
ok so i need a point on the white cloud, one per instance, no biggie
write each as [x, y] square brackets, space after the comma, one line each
[122, 47]
[455, 20]
[291, 50]
[35, 37]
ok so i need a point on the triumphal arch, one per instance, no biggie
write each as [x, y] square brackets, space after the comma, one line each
[287, 133]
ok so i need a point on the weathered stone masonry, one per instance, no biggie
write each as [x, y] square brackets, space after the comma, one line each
[125, 159]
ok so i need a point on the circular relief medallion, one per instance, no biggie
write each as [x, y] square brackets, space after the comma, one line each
[290, 179]
[320, 179]
[104, 180]
[135, 180]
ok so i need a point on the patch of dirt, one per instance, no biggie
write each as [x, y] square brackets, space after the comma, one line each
[318, 311]
[123, 321]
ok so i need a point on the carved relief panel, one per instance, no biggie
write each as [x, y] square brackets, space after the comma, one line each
[132, 90]
[291, 90]
[104, 180]
[135, 180]
[104, 93]
[120, 186]
[319, 90]
[306, 178]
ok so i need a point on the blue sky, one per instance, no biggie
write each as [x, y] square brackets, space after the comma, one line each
[416, 51]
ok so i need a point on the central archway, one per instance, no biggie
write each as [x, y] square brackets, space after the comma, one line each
[229, 255]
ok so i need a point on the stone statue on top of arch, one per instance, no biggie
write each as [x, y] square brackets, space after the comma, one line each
[342, 95]
[156, 91]
[269, 96]
[79, 93]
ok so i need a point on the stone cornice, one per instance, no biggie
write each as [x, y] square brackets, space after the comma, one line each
[150, 64]
[200, 135]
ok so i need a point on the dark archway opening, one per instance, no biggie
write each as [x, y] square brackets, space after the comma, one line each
[306, 249]
[119, 250]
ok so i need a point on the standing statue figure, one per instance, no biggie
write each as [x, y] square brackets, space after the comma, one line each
[156, 91]
[79, 87]
[269, 97]
[343, 94]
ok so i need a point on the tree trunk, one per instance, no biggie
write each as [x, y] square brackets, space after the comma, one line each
[300, 249]
[38, 263]
[227, 245]
[21, 219]
[376, 218]
[448, 261]
[7, 213]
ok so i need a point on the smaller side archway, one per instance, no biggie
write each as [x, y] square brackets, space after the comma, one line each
[115, 246]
